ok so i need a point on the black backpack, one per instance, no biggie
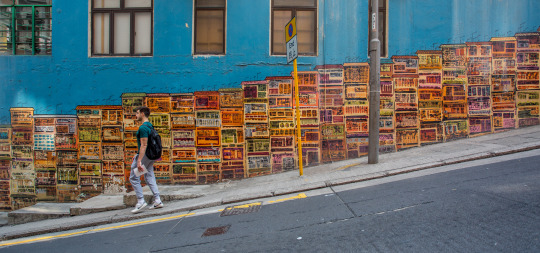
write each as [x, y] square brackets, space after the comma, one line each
[154, 148]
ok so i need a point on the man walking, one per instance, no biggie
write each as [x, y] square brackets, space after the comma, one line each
[140, 161]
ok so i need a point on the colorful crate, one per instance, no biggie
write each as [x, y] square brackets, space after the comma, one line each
[430, 95]
[308, 88]
[331, 93]
[528, 107]
[158, 102]
[5, 199]
[527, 59]
[22, 175]
[208, 164]
[455, 129]
[407, 138]
[386, 113]
[131, 101]
[454, 81]
[163, 173]
[162, 124]
[5, 167]
[258, 157]
[182, 103]
[66, 132]
[231, 98]
[184, 173]
[22, 116]
[333, 143]
[206, 100]
[111, 115]
[232, 162]
[479, 60]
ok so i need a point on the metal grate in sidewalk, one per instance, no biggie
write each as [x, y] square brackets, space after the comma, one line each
[241, 209]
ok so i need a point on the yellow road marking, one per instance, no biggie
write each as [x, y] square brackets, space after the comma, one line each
[299, 196]
[241, 206]
[348, 166]
[248, 205]
[93, 230]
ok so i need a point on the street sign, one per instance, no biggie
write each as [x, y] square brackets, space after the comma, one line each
[292, 54]
[290, 29]
[292, 49]
[291, 41]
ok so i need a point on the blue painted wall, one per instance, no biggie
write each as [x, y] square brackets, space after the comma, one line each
[57, 84]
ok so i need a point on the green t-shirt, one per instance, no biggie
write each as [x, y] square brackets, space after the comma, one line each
[143, 132]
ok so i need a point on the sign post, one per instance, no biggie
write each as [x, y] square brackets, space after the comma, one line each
[374, 85]
[292, 54]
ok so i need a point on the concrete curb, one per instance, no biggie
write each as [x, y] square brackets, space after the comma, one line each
[19, 218]
[200, 203]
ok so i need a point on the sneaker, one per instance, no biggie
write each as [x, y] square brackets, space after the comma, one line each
[138, 207]
[156, 205]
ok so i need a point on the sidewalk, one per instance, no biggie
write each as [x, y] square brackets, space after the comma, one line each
[179, 198]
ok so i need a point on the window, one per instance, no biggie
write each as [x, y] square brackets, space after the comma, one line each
[383, 26]
[122, 27]
[210, 26]
[25, 27]
[306, 25]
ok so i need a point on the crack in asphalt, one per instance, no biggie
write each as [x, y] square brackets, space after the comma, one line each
[339, 197]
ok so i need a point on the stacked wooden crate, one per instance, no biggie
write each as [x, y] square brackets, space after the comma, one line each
[112, 149]
[308, 101]
[231, 102]
[479, 88]
[503, 83]
[45, 157]
[387, 131]
[184, 152]
[405, 80]
[208, 136]
[332, 117]
[528, 82]
[282, 124]
[160, 118]
[455, 91]
[130, 103]
[256, 131]
[5, 167]
[356, 105]
[430, 96]
[89, 160]
[66, 144]
[23, 175]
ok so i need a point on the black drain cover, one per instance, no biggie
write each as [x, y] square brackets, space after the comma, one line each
[216, 231]
[234, 210]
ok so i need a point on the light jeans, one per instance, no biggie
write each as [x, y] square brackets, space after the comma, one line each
[148, 177]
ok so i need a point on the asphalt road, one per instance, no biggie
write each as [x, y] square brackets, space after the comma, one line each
[493, 207]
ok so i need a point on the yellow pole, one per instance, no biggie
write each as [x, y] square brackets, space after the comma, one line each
[298, 128]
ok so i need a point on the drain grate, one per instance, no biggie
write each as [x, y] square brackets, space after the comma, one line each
[242, 209]
[216, 231]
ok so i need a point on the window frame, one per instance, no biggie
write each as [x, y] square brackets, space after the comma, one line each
[13, 32]
[122, 9]
[293, 10]
[195, 9]
[384, 46]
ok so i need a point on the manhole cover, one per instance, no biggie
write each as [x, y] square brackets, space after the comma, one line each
[216, 231]
[242, 209]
